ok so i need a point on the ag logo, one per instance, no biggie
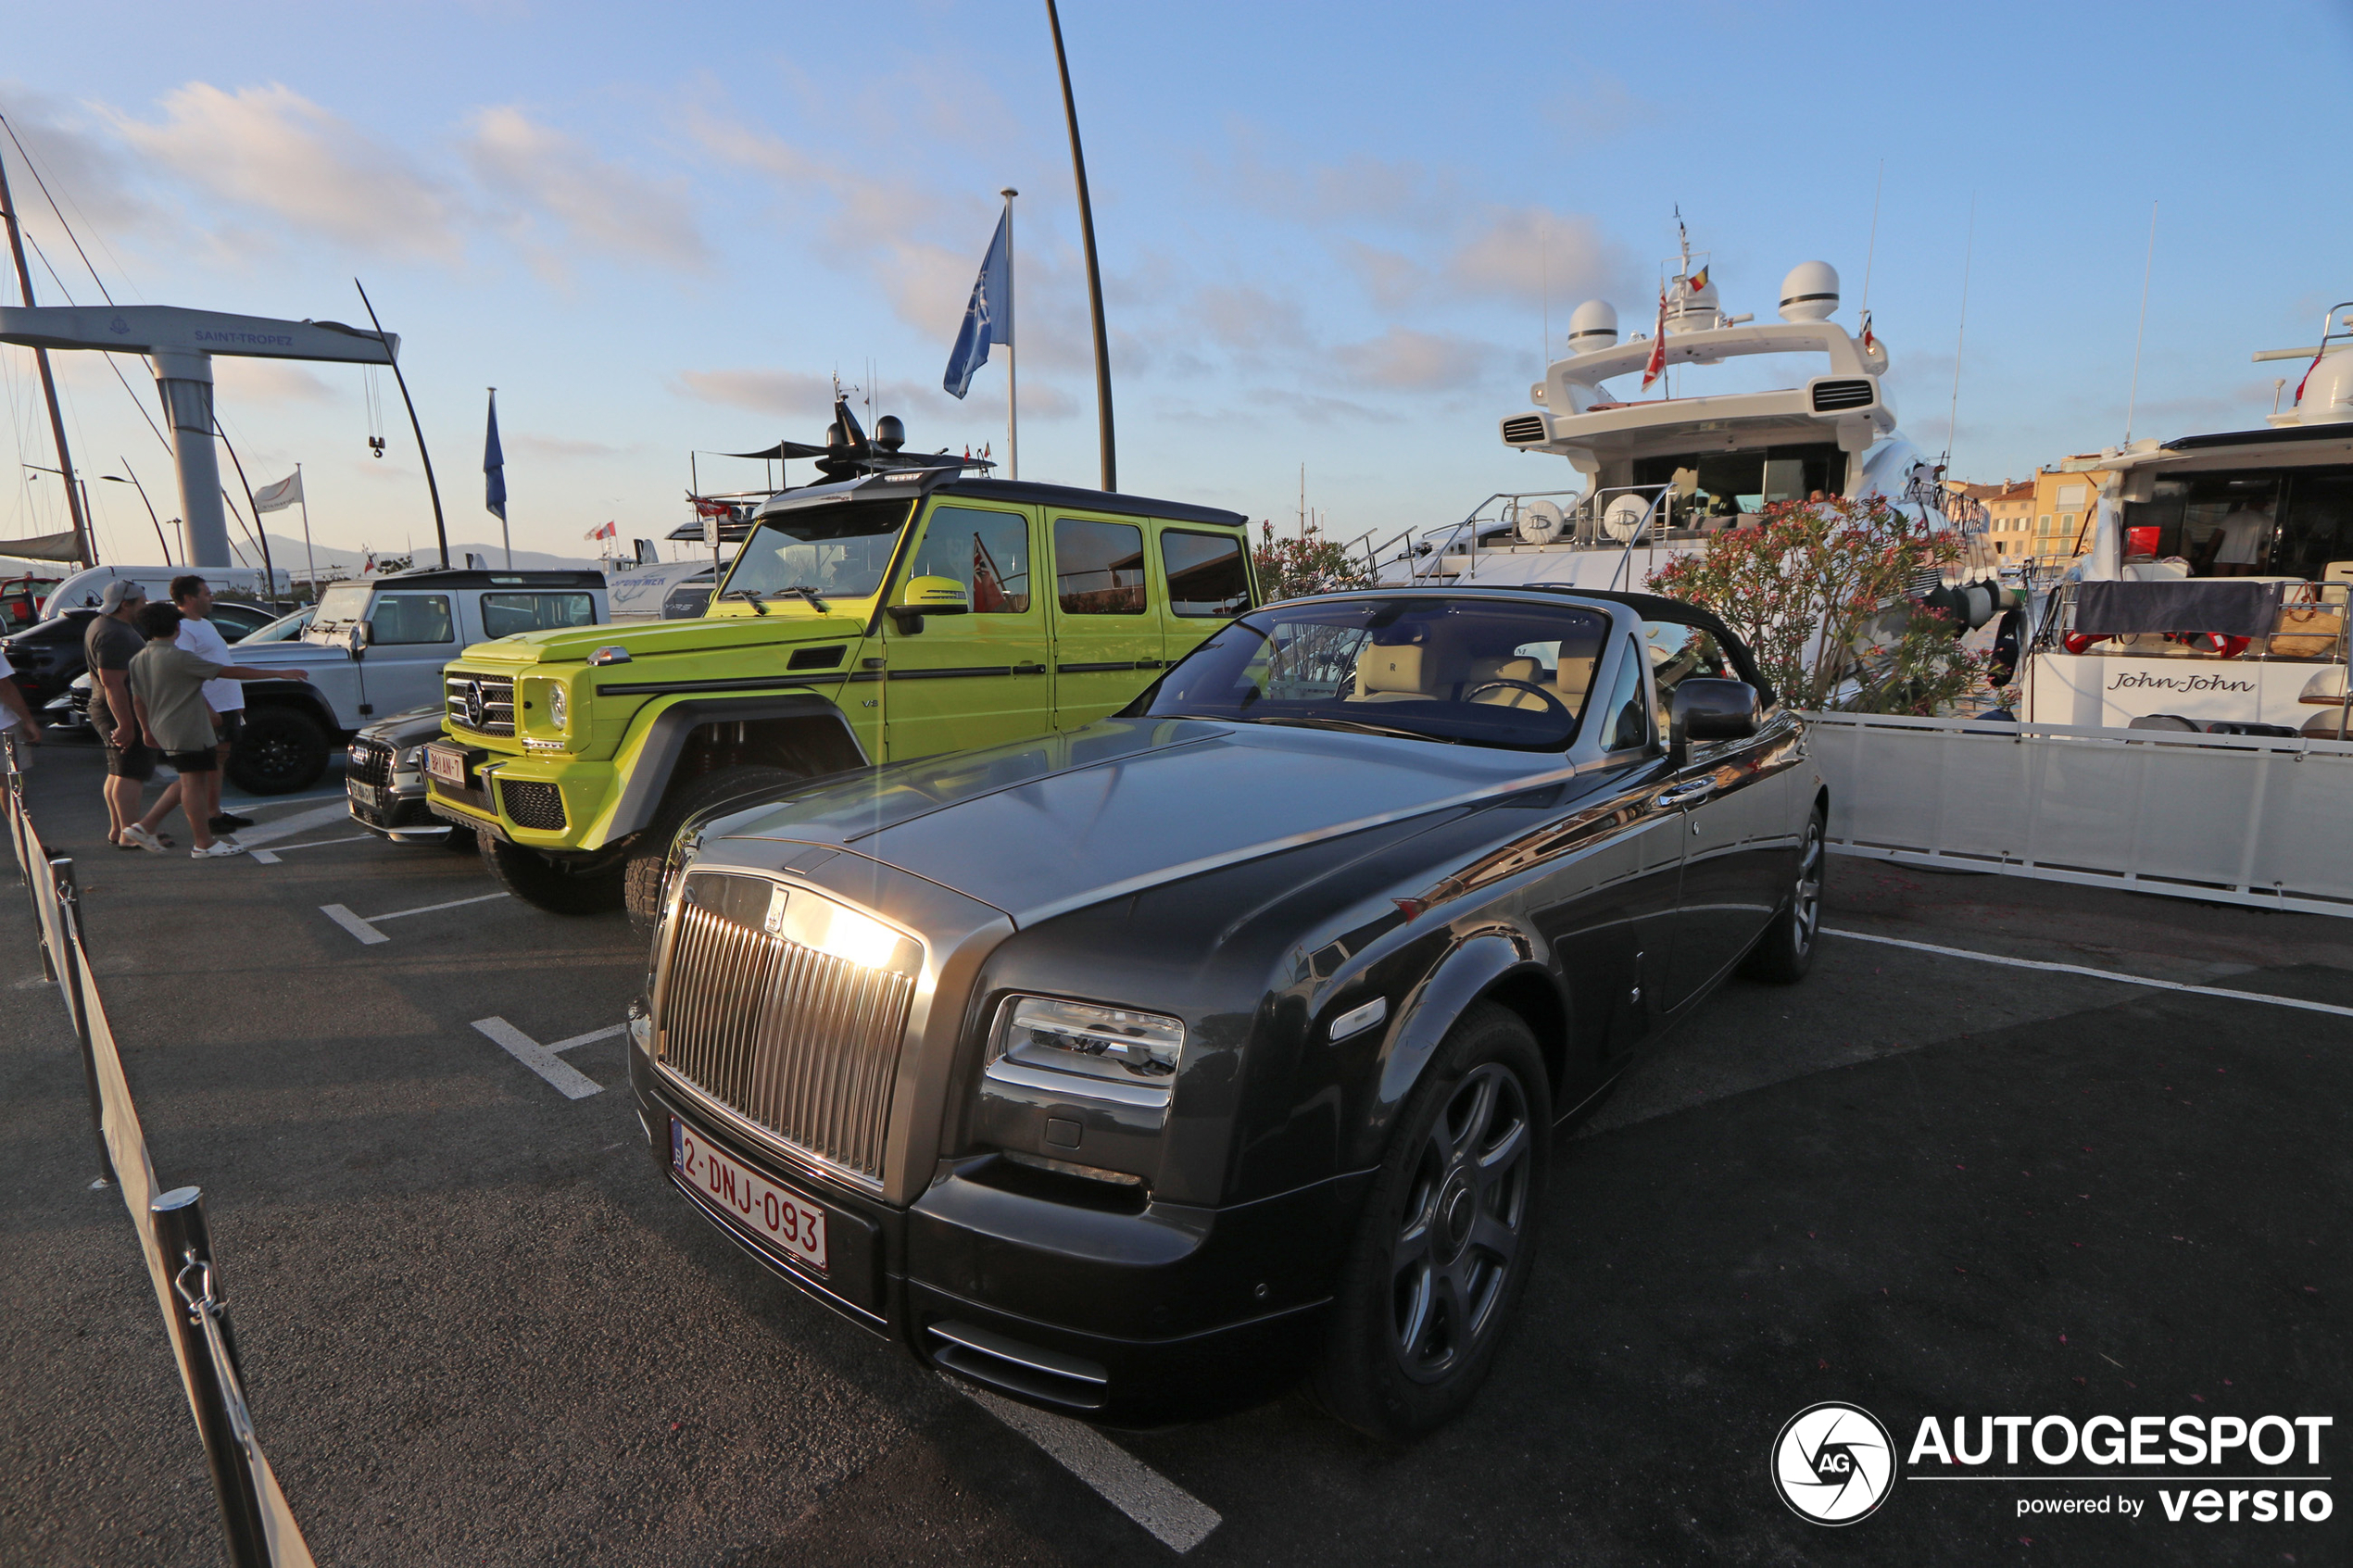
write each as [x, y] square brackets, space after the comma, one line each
[1833, 1463]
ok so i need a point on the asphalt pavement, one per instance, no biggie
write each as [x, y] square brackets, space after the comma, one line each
[478, 1327]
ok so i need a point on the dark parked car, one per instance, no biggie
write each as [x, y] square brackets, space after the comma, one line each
[1136, 1070]
[383, 776]
[48, 657]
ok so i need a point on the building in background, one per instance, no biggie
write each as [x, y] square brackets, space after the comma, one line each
[2063, 504]
[2009, 511]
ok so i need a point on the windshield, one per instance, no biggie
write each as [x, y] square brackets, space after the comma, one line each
[1481, 672]
[339, 607]
[837, 551]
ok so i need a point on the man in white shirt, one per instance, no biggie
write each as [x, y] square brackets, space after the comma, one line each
[193, 596]
[2243, 541]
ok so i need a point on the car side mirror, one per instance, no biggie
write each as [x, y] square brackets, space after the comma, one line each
[920, 597]
[362, 634]
[1708, 709]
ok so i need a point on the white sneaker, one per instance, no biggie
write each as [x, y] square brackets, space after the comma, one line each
[143, 839]
[221, 848]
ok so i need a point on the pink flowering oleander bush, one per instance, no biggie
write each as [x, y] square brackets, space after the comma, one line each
[1293, 568]
[1821, 591]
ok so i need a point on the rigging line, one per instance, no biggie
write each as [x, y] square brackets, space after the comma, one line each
[1870, 252]
[43, 185]
[2148, 267]
[1969, 254]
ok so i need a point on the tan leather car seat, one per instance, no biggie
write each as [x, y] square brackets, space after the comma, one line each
[1390, 674]
[1485, 670]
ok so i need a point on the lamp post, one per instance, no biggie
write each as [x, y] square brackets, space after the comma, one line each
[134, 482]
[1094, 274]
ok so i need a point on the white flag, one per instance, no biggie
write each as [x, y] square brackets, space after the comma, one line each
[277, 498]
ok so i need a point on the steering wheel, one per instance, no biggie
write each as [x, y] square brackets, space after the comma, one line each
[1549, 696]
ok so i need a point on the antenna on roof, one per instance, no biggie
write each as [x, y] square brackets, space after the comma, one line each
[2132, 399]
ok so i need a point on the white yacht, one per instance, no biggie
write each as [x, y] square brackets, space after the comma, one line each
[2214, 597]
[1663, 461]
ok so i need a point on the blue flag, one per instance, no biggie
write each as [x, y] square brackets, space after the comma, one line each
[989, 318]
[494, 467]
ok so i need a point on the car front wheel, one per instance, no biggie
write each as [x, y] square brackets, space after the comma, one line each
[562, 887]
[1448, 1235]
[278, 751]
[1785, 952]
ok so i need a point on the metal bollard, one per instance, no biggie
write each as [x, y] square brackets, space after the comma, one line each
[201, 1326]
[70, 966]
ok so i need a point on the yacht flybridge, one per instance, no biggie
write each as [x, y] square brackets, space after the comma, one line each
[1664, 463]
[2214, 596]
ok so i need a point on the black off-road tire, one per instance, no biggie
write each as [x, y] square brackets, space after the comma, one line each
[559, 887]
[280, 750]
[642, 872]
[1785, 952]
[1448, 1235]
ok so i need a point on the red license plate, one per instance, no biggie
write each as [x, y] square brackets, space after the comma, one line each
[449, 767]
[777, 1215]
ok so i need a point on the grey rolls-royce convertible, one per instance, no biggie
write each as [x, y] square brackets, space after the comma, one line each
[1136, 1071]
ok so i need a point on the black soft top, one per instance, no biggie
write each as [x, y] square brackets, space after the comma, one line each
[468, 577]
[942, 481]
[1675, 612]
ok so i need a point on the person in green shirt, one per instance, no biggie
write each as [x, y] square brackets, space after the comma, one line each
[167, 686]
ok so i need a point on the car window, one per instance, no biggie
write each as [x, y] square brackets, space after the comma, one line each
[1480, 671]
[411, 618]
[503, 615]
[1678, 653]
[1205, 574]
[282, 629]
[987, 552]
[1098, 567]
[1629, 712]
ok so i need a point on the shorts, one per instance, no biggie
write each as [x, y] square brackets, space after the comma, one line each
[205, 761]
[136, 760]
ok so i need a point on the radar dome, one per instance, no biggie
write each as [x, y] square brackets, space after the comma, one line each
[2328, 397]
[1592, 325]
[1810, 292]
[1694, 308]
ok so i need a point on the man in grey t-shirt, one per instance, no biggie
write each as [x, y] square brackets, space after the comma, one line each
[167, 684]
[109, 642]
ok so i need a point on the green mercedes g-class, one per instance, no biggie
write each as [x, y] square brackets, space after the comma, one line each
[891, 615]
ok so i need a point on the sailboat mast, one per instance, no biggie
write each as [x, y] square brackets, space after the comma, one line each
[83, 549]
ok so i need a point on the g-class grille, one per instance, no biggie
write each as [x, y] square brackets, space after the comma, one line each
[369, 763]
[1833, 396]
[1524, 430]
[484, 704]
[802, 1043]
[533, 805]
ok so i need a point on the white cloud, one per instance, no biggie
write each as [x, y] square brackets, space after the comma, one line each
[270, 381]
[1524, 253]
[542, 174]
[274, 151]
[1403, 360]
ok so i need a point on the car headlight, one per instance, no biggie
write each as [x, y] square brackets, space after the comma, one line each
[1082, 1049]
[558, 713]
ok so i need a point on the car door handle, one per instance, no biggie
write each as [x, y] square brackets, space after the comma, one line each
[1690, 793]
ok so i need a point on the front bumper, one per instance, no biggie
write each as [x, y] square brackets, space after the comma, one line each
[1134, 1315]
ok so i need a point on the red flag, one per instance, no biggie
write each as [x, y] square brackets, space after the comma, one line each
[610, 530]
[712, 509]
[1869, 340]
[2309, 368]
[1657, 366]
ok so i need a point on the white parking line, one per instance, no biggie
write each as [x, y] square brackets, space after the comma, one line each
[365, 929]
[1180, 1519]
[569, 1081]
[2296, 1002]
[270, 857]
[286, 827]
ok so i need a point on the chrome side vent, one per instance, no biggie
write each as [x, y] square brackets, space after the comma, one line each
[1016, 1367]
[1830, 396]
[1524, 430]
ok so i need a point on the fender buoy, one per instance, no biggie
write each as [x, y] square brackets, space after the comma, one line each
[2076, 641]
[2211, 642]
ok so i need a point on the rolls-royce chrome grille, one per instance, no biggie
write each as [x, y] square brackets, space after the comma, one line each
[484, 704]
[788, 1009]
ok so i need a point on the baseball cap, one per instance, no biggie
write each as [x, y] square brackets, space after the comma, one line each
[120, 592]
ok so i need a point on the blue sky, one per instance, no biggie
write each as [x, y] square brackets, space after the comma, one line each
[1331, 235]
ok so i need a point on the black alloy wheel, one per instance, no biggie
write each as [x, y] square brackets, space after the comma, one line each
[1785, 952]
[279, 750]
[1448, 1237]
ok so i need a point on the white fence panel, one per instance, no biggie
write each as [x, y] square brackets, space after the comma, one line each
[2238, 818]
